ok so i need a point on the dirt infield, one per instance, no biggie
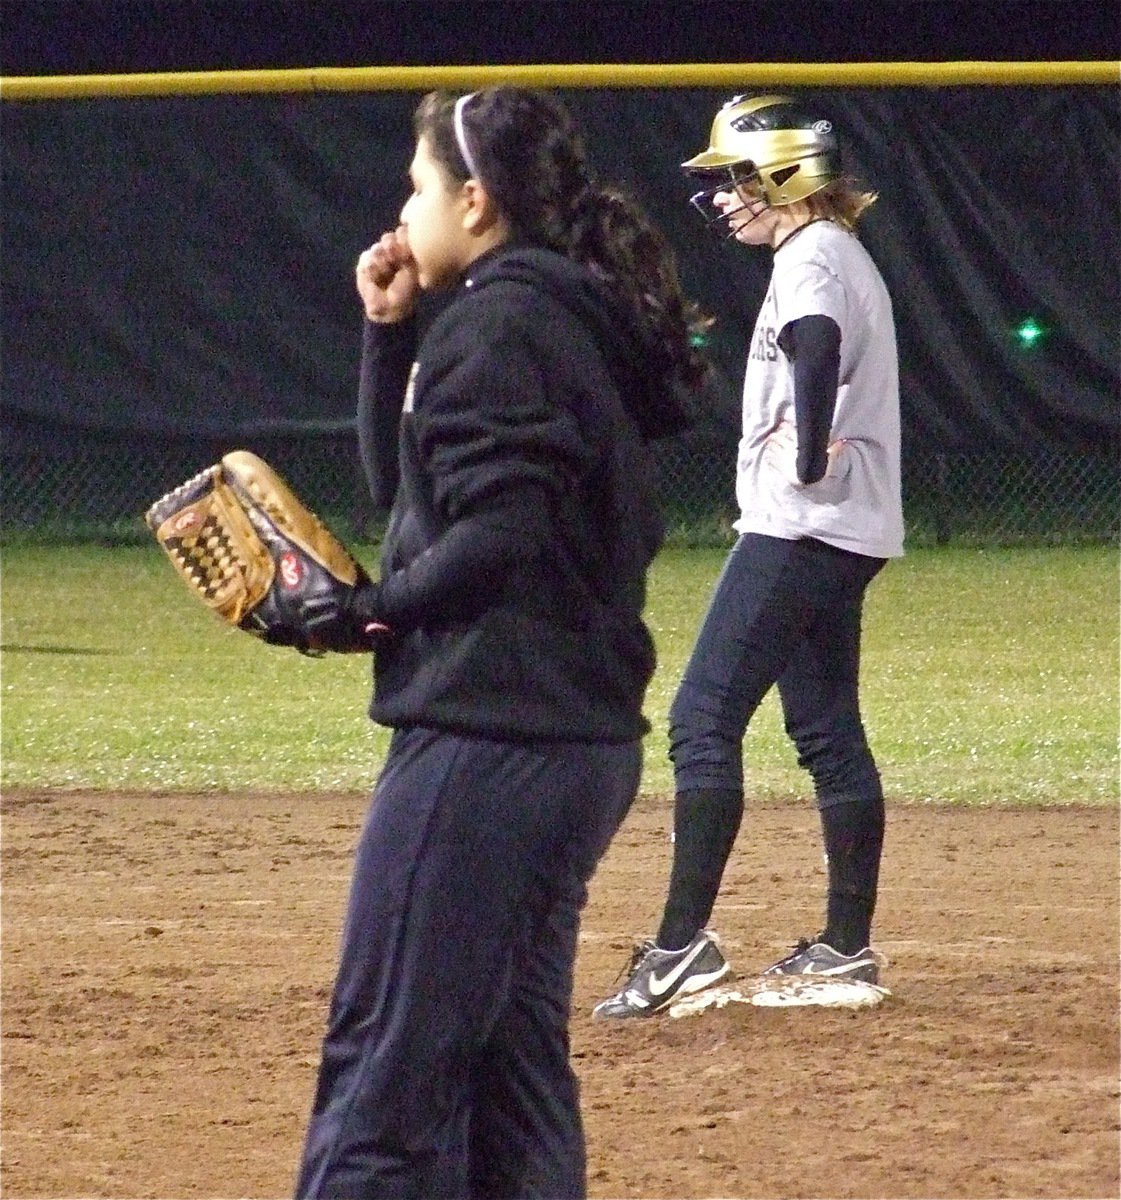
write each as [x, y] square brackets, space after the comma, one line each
[166, 964]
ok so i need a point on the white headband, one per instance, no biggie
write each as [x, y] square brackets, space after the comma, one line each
[461, 136]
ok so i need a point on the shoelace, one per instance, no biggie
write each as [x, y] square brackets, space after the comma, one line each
[638, 952]
[803, 945]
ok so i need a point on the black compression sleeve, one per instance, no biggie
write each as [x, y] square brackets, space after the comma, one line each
[813, 345]
[387, 356]
[465, 561]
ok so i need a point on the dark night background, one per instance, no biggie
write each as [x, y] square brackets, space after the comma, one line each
[102, 36]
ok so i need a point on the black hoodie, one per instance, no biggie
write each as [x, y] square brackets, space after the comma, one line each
[524, 511]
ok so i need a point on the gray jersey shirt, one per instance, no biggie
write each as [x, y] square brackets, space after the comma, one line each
[822, 269]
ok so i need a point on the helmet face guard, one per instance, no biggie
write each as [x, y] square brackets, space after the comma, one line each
[737, 179]
[769, 144]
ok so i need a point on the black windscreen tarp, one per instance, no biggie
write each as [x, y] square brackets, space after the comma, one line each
[184, 266]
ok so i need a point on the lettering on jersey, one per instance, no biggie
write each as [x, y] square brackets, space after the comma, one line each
[764, 345]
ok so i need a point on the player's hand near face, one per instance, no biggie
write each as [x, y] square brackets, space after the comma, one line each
[386, 276]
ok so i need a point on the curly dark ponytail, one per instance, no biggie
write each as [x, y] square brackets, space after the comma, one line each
[531, 158]
[613, 236]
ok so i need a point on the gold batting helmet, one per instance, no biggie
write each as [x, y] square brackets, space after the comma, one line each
[774, 142]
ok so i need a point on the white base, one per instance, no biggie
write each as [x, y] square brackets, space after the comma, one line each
[785, 992]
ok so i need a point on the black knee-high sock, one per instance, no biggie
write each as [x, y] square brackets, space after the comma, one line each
[705, 824]
[854, 838]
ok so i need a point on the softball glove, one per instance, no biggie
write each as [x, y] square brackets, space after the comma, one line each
[245, 544]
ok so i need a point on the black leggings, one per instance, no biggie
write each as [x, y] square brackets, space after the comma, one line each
[785, 612]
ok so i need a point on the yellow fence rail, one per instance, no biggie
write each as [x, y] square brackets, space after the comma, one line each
[574, 75]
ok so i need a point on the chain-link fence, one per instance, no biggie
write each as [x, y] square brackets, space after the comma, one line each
[997, 496]
[73, 486]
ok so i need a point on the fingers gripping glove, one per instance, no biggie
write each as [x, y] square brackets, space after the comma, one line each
[256, 556]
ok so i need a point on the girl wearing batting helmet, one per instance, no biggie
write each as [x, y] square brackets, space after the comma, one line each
[512, 440]
[818, 487]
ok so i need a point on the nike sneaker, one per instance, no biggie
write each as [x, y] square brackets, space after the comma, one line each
[657, 977]
[813, 957]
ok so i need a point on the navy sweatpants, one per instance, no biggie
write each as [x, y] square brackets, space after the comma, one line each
[445, 1069]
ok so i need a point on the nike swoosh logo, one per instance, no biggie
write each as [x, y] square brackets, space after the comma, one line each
[847, 968]
[659, 987]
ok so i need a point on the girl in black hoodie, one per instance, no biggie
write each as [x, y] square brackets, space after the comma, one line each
[511, 656]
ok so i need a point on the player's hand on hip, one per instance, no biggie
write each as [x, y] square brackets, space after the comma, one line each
[386, 277]
[781, 452]
[837, 462]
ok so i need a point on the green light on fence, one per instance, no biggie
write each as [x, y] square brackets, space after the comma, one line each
[1029, 333]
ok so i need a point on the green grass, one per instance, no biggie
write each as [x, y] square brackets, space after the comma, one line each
[989, 676]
